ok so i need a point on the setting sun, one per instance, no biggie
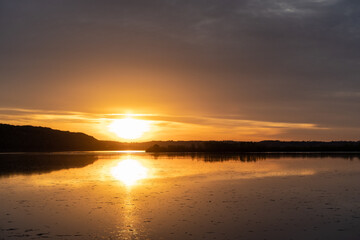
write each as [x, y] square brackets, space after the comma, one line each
[129, 128]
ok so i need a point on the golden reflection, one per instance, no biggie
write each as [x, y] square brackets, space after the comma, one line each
[129, 128]
[129, 171]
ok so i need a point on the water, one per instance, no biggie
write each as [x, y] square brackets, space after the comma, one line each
[135, 195]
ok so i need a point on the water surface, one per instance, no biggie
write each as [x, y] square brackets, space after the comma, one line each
[136, 195]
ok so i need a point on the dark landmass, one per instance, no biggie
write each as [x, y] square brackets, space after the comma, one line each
[263, 146]
[254, 156]
[40, 139]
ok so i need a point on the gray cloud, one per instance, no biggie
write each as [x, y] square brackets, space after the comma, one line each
[263, 60]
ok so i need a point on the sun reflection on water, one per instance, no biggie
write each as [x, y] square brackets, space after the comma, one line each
[129, 171]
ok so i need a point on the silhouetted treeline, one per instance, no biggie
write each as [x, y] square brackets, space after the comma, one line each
[28, 138]
[40, 139]
[263, 146]
[253, 156]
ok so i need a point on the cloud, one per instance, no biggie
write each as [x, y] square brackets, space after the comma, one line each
[174, 127]
[349, 94]
[269, 61]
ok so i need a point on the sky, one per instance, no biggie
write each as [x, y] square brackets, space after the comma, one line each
[244, 70]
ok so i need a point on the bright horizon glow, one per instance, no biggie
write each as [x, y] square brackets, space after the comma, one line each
[129, 128]
[164, 127]
[129, 171]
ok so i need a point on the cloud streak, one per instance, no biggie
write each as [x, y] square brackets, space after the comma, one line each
[166, 127]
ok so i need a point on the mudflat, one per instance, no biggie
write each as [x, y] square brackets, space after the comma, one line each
[131, 195]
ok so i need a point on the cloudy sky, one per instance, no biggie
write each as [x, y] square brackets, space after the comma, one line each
[242, 70]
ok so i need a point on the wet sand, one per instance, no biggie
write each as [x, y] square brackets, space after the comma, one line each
[187, 198]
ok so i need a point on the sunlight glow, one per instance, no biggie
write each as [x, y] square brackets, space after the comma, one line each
[129, 171]
[129, 128]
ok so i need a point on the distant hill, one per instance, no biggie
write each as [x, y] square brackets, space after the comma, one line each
[31, 139]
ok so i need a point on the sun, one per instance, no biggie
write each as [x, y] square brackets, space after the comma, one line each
[129, 128]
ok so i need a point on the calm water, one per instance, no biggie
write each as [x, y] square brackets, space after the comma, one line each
[129, 195]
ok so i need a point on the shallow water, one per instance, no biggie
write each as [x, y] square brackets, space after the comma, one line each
[136, 195]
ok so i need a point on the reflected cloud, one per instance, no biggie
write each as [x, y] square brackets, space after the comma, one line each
[129, 172]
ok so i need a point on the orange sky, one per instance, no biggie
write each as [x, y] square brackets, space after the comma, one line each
[161, 127]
